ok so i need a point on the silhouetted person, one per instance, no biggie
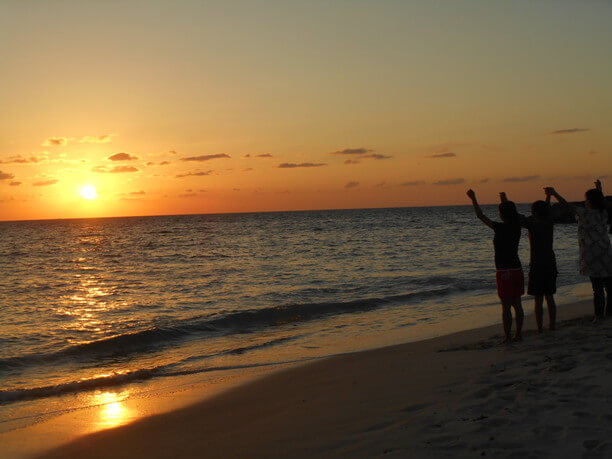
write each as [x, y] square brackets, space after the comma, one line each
[510, 280]
[543, 263]
[594, 244]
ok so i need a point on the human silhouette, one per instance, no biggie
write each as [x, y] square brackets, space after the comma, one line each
[509, 275]
[594, 244]
[542, 277]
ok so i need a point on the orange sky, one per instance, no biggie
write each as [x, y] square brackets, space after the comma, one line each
[284, 105]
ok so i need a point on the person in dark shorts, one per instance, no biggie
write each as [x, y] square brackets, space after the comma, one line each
[510, 279]
[543, 263]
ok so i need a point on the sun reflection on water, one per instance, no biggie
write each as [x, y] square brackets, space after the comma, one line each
[113, 410]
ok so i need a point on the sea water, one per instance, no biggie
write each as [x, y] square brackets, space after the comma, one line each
[92, 304]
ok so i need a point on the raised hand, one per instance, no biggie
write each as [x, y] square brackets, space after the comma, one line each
[471, 194]
[598, 184]
[549, 191]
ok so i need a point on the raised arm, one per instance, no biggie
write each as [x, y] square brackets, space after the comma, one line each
[598, 185]
[478, 211]
[549, 190]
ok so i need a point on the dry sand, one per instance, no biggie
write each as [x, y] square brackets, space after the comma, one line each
[462, 395]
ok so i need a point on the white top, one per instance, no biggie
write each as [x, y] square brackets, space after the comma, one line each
[594, 243]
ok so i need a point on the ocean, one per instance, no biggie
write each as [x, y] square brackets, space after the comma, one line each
[98, 305]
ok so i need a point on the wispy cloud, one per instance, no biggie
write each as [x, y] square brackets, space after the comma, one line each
[293, 165]
[352, 151]
[6, 176]
[55, 141]
[351, 185]
[45, 183]
[413, 183]
[21, 160]
[205, 157]
[376, 156]
[188, 195]
[15, 183]
[455, 181]
[526, 178]
[352, 161]
[105, 138]
[265, 155]
[194, 174]
[114, 170]
[122, 157]
[135, 193]
[570, 131]
[484, 180]
[449, 154]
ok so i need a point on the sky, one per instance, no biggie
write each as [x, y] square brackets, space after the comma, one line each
[180, 107]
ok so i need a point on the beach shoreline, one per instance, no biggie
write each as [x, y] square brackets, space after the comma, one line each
[462, 393]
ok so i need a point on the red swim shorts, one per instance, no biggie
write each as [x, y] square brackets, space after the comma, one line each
[510, 283]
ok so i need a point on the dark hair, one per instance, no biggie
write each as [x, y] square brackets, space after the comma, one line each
[508, 213]
[540, 209]
[596, 199]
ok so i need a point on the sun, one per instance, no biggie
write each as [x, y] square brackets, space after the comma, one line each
[89, 192]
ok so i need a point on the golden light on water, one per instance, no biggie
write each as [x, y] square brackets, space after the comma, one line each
[113, 411]
[89, 192]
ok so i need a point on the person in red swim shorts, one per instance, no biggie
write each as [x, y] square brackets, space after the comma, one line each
[510, 279]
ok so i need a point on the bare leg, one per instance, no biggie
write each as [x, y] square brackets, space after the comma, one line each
[552, 312]
[507, 318]
[520, 315]
[539, 312]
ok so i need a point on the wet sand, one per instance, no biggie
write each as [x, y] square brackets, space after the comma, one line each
[461, 395]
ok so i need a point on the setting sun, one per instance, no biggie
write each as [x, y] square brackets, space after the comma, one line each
[89, 192]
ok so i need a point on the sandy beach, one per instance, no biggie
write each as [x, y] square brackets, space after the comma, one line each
[461, 395]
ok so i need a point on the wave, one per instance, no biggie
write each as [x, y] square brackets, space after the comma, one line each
[232, 322]
[118, 379]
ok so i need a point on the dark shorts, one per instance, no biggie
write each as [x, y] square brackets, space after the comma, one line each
[510, 283]
[542, 280]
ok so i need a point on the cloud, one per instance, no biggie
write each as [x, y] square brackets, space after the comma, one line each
[134, 193]
[205, 157]
[21, 160]
[45, 183]
[380, 184]
[351, 185]
[193, 174]
[114, 170]
[265, 155]
[6, 176]
[525, 178]
[591, 152]
[164, 163]
[55, 141]
[15, 183]
[570, 131]
[188, 195]
[247, 155]
[352, 151]
[376, 156]
[248, 169]
[484, 180]
[449, 154]
[352, 161]
[293, 165]
[122, 157]
[413, 183]
[455, 181]
[105, 138]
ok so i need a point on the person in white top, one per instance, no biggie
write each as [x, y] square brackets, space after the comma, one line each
[594, 245]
